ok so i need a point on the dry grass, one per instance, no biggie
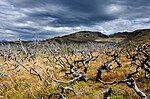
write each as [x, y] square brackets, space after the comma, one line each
[22, 85]
[109, 39]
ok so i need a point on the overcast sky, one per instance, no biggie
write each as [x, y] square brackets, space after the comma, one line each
[42, 19]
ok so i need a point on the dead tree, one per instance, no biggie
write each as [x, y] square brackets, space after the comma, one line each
[141, 59]
[28, 53]
[31, 70]
[77, 76]
[108, 94]
[71, 66]
[133, 57]
[130, 82]
[99, 74]
[34, 72]
[62, 93]
[87, 58]
[105, 66]
[115, 57]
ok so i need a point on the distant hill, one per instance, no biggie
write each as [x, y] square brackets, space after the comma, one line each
[139, 36]
[86, 34]
[79, 37]
[119, 35]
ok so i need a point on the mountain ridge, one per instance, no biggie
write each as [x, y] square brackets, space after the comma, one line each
[79, 37]
[137, 36]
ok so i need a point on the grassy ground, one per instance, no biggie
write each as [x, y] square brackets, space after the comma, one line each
[104, 40]
[19, 84]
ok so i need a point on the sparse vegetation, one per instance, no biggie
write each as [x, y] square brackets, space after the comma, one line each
[54, 70]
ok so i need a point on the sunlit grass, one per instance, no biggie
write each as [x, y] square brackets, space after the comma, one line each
[23, 85]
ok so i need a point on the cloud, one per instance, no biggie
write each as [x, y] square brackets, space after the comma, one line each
[42, 19]
[123, 25]
[142, 20]
[114, 9]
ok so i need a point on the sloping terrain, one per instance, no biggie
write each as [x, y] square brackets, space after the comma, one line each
[79, 37]
[40, 71]
[119, 35]
[139, 36]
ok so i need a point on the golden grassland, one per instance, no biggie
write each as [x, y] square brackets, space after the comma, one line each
[20, 84]
[102, 40]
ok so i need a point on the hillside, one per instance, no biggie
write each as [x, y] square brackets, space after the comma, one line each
[139, 36]
[119, 35]
[79, 37]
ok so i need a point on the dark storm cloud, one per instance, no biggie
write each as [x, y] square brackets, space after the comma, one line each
[66, 12]
[49, 18]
